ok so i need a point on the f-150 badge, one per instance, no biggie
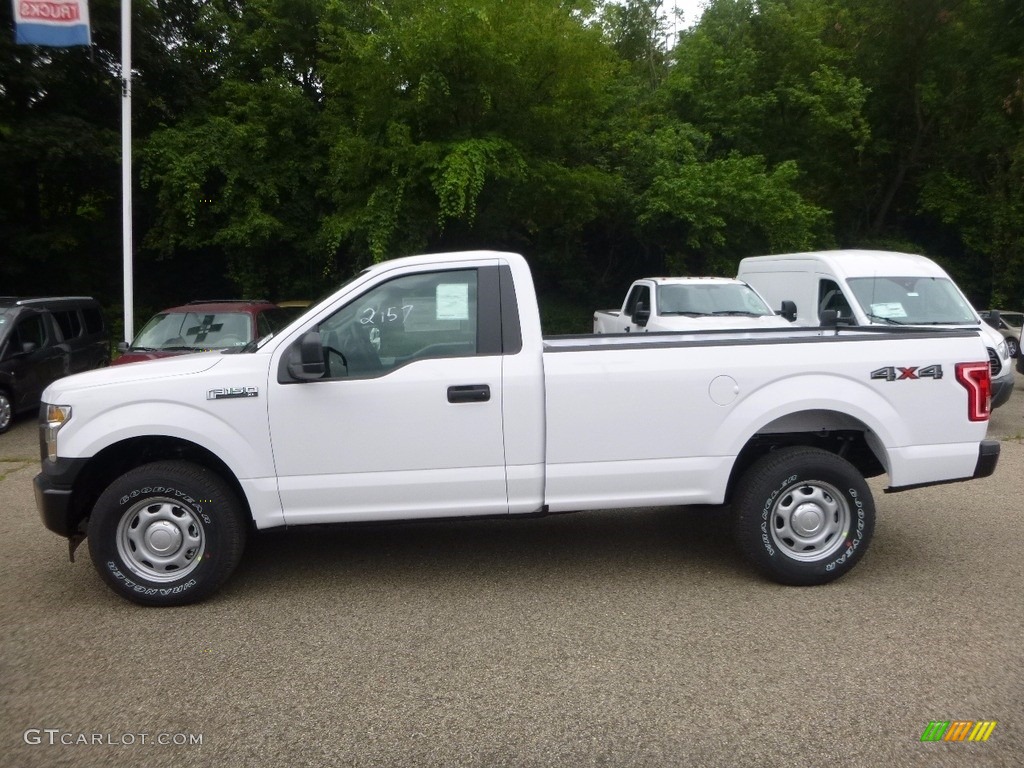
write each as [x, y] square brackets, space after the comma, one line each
[225, 393]
[897, 373]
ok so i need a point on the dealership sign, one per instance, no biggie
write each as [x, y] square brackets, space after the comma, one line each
[59, 23]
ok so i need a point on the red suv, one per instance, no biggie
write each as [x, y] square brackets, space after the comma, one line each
[202, 326]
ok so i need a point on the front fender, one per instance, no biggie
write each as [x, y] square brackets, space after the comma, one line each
[239, 439]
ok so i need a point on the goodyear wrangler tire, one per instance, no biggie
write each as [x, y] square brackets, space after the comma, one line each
[166, 533]
[803, 516]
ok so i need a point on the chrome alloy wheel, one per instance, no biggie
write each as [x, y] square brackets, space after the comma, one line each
[810, 520]
[160, 540]
[6, 412]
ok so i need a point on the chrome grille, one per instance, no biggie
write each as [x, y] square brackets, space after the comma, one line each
[993, 362]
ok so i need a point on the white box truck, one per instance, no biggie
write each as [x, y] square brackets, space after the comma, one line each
[875, 288]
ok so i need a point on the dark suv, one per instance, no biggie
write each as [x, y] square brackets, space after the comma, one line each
[202, 326]
[42, 340]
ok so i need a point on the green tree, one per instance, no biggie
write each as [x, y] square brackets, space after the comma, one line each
[769, 79]
[974, 181]
[280, 144]
[944, 174]
[235, 177]
[59, 139]
[463, 123]
[694, 147]
[703, 213]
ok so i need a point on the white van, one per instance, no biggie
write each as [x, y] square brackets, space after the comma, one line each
[875, 287]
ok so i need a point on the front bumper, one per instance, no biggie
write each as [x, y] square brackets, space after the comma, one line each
[54, 491]
[1002, 386]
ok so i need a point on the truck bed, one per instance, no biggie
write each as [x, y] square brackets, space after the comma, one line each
[700, 403]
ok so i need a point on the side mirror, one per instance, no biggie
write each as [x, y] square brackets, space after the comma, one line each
[28, 347]
[788, 310]
[122, 346]
[829, 318]
[641, 314]
[306, 358]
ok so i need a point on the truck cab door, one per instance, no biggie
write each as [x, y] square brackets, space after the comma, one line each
[33, 360]
[406, 419]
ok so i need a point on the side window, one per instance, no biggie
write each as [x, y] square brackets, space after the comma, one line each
[93, 320]
[631, 300]
[262, 325]
[405, 319]
[640, 294]
[831, 296]
[69, 323]
[272, 321]
[645, 297]
[30, 331]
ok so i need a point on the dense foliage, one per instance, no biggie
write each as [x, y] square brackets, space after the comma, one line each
[282, 144]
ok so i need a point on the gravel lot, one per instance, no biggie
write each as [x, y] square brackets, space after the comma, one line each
[597, 639]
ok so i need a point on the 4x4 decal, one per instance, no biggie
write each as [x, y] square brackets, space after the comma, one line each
[900, 373]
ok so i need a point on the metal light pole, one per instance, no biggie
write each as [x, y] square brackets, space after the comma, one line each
[126, 166]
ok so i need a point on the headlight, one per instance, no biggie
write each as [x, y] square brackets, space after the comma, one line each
[56, 417]
[1003, 351]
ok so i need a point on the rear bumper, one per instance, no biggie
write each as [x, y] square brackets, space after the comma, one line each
[988, 457]
[985, 465]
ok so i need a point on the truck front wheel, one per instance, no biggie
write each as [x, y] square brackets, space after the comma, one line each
[803, 516]
[166, 533]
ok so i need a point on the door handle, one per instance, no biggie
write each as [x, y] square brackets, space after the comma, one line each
[470, 393]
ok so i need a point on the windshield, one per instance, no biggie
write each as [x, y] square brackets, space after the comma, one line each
[195, 331]
[912, 300]
[5, 325]
[711, 299]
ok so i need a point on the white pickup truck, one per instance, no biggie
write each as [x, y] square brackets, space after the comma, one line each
[423, 388]
[690, 304]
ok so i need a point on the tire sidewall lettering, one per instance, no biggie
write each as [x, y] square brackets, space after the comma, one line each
[141, 589]
[853, 537]
[766, 513]
[174, 493]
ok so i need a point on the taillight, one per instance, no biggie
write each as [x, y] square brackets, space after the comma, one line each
[977, 380]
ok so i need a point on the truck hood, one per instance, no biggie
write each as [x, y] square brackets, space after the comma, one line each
[163, 368]
[989, 335]
[715, 322]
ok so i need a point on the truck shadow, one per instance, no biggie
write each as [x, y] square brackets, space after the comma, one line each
[585, 545]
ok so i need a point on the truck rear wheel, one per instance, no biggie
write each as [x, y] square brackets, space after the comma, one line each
[166, 533]
[803, 516]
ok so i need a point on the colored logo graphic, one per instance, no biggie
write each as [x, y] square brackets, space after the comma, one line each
[958, 730]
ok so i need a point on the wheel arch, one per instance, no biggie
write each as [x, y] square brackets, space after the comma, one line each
[833, 431]
[117, 459]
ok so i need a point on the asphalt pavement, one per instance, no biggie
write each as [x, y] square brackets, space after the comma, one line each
[613, 639]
